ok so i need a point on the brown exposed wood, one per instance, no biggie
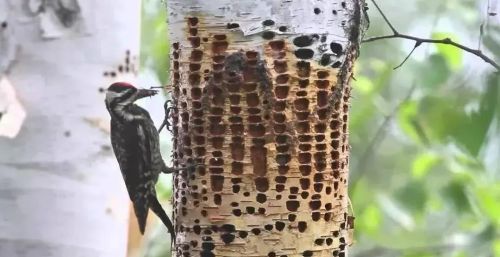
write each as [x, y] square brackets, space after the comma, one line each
[270, 128]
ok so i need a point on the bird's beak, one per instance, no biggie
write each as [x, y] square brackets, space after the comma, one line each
[141, 93]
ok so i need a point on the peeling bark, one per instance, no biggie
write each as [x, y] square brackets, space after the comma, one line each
[58, 18]
[262, 94]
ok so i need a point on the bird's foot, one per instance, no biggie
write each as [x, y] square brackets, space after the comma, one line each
[190, 168]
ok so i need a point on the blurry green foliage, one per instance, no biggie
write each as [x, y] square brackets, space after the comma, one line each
[154, 39]
[427, 183]
[430, 185]
[451, 54]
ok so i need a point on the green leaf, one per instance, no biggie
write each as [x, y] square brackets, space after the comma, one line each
[423, 163]
[406, 118]
[496, 247]
[419, 254]
[456, 195]
[412, 196]
[444, 118]
[434, 71]
[489, 201]
[363, 84]
[154, 39]
[472, 133]
[370, 218]
[460, 254]
[451, 54]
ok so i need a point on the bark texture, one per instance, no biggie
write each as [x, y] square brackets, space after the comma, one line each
[261, 90]
[61, 191]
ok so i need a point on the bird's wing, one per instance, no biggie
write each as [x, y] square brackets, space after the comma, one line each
[132, 158]
[153, 147]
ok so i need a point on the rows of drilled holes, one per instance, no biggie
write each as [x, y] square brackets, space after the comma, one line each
[217, 128]
[176, 92]
[338, 126]
[233, 83]
[197, 123]
[183, 149]
[256, 125]
[303, 128]
[194, 139]
[278, 225]
[321, 155]
[345, 162]
[281, 132]
[175, 114]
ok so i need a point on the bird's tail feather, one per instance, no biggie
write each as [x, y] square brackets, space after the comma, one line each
[141, 212]
[158, 210]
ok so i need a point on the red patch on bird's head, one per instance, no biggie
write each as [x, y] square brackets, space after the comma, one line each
[120, 87]
[122, 84]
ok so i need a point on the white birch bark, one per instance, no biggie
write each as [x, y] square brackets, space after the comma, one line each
[61, 192]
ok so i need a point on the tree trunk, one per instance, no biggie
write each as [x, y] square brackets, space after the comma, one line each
[262, 91]
[61, 189]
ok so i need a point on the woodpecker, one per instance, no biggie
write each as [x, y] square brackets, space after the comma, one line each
[135, 142]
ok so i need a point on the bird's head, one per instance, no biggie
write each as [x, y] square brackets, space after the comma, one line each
[125, 93]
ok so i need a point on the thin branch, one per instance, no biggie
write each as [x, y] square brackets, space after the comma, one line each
[419, 41]
[417, 44]
[394, 31]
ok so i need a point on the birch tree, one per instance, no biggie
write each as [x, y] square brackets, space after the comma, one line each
[61, 192]
[261, 98]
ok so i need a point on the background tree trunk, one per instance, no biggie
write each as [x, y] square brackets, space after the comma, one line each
[262, 89]
[62, 192]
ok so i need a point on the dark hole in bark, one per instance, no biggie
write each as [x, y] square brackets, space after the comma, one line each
[280, 66]
[304, 158]
[196, 55]
[281, 92]
[303, 41]
[219, 47]
[336, 48]
[261, 184]
[268, 23]
[237, 168]
[217, 182]
[305, 170]
[220, 37]
[292, 205]
[305, 183]
[232, 25]
[304, 53]
[193, 21]
[195, 41]
[302, 226]
[227, 238]
[301, 104]
[279, 225]
[268, 35]
[261, 198]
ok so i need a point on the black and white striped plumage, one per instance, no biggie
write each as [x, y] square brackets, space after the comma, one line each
[136, 146]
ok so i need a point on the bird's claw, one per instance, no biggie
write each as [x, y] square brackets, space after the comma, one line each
[190, 167]
[168, 111]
